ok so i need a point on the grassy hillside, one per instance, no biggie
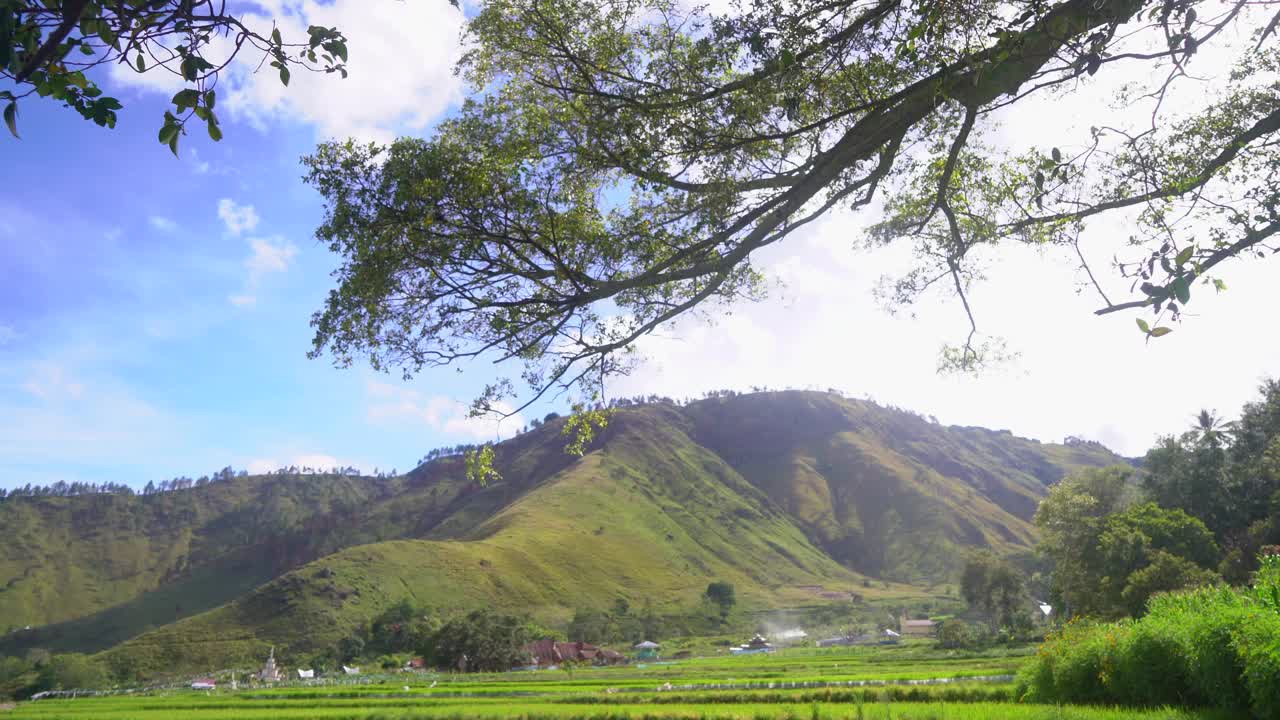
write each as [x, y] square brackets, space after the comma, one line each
[650, 516]
[783, 494]
[65, 557]
[887, 492]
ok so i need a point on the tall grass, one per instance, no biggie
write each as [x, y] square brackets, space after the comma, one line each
[1211, 647]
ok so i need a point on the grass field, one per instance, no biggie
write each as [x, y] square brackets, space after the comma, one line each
[802, 684]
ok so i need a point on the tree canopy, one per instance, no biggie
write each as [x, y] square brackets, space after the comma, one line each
[49, 48]
[619, 162]
[1109, 555]
[992, 585]
[1202, 509]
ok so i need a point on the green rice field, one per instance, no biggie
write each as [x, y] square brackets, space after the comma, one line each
[907, 683]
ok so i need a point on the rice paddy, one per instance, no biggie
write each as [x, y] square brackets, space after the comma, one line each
[910, 682]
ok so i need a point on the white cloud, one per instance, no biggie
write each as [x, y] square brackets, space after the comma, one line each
[198, 166]
[162, 223]
[268, 255]
[51, 381]
[61, 412]
[237, 218]
[400, 71]
[1078, 374]
[261, 466]
[397, 404]
[316, 461]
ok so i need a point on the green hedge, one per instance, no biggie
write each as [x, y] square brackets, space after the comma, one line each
[1211, 647]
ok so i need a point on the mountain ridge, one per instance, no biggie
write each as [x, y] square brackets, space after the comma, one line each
[774, 491]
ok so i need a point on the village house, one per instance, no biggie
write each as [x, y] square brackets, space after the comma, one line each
[917, 628]
[550, 653]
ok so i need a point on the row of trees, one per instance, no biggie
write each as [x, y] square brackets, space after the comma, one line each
[478, 641]
[486, 641]
[182, 482]
[1202, 510]
[66, 489]
[24, 676]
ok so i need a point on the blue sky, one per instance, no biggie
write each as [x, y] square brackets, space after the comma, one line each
[154, 312]
[145, 334]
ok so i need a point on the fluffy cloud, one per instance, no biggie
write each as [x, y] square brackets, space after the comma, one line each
[162, 223]
[400, 69]
[237, 218]
[267, 255]
[317, 461]
[1077, 374]
[397, 404]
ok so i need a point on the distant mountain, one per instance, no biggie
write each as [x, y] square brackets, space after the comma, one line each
[785, 494]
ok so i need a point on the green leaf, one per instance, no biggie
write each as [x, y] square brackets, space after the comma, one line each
[107, 34]
[190, 69]
[1143, 326]
[168, 132]
[275, 36]
[284, 75]
[1185, 255]
[1181, 290]
[215, 132]
[188, 98]
[210, 97]
[11, 117]
[140, 63]
[1057, 155]
[173, 144]
[1160, 331]
[1219, 285]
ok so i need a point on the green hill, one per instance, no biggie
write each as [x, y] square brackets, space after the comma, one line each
[887, 492]
[784, 494]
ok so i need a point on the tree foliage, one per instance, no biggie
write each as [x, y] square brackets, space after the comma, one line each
[1110, 554]
[721, 594]
[1228, 475]
[71, 671]
[481, 641]
[49, 48]
[995, 587]
[619, 163]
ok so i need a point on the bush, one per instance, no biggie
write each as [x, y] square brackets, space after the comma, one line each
[1206, 647]
[482, 641]
[72, 671]
[954, 634]
[1149, 667]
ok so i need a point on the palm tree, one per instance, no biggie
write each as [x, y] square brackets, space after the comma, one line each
[1212, 429]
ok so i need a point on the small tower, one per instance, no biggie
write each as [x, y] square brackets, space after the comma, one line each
[270, 673]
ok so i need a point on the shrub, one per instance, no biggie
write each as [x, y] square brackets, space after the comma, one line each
[954, 634]
[1205, 647]
[1257, 642]
[1150, 668]
[1073, 662]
